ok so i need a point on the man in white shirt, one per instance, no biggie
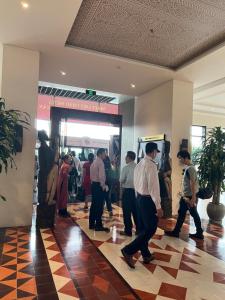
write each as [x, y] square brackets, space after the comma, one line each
[98, 187]
[77, 165]
[129, 201]
[146, 184]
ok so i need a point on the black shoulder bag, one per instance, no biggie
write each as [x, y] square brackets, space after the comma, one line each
[203, 193]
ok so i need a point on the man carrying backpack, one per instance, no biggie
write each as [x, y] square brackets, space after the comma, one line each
[188, 199]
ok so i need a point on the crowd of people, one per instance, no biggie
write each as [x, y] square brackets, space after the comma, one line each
[146, 190]
[74, 181]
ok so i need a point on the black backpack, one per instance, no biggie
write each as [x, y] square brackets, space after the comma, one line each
[203, 193]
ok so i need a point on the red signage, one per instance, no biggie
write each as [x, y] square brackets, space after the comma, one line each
[45, 102]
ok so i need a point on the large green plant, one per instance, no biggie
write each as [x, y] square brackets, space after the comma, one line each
[212, 163]
[195, 155]
[9, 120]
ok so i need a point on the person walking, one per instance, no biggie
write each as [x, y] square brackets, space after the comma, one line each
[146, 184]
[129, 201]
[188, 199]
[62, 187]
[98, 187]
[87, 179]
[77, 175]
[108, 174]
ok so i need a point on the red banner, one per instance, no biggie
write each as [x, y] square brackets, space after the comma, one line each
[45, 102]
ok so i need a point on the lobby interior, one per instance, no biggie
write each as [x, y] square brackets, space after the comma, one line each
[161, 66]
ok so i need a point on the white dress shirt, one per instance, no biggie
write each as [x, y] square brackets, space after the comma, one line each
[77, 164]
[127, 176]
[146, 180]
[97, 172]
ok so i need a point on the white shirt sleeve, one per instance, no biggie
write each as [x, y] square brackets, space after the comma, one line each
[123, 175]
[153, 184]
[102, 177]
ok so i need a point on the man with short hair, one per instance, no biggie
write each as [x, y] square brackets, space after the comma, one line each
[146, 184]
[98, 187]
[129, 201]
[188, 199]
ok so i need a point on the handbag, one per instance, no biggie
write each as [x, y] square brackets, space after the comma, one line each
[205, 193]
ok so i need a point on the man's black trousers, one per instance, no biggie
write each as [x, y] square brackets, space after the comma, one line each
[129, 206]
[148, 222]
[97, 204]
[184, 207]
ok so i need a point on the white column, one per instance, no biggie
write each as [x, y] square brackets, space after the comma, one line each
[166, 109]
[19, 86]
[182, 112]
[126, 109]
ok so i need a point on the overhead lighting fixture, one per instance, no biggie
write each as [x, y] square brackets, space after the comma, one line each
[133, 85]
[63, 73]
[24, 4]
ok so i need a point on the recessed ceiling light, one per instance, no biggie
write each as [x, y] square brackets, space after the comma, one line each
[133, 85]
[24, 4]
[63, 73]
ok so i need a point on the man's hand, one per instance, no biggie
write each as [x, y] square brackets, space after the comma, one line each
[193, 202]
[159, 213]
[106, 188]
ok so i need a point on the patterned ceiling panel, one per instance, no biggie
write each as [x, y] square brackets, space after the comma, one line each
[168, 33]
[57, 92]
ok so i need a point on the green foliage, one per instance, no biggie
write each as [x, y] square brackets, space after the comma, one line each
[196, 154]
[212, 163]
[9, 119]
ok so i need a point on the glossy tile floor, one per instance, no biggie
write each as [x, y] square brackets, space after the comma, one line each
[183, 268]
[72, 262]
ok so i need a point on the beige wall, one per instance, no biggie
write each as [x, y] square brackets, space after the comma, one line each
[181, 129]
[1, 62]
[153, 111]
[209, 120]
[20, 72]
[166, 109]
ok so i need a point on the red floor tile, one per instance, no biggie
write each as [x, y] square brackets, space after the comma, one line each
[172, 291]
[219, 277]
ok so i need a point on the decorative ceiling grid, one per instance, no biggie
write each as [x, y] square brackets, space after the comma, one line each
[167, 33]
[59, 92]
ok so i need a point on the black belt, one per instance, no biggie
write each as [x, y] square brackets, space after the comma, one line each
[147, 196]
[95, 182]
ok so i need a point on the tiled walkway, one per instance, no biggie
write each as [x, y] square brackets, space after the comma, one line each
[59, 264]
[178, 266]
[68, 263]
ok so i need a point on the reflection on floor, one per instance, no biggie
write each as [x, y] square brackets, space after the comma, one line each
[179, 265]
[68, 263]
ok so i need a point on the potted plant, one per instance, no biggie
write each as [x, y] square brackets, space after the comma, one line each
[9, 122]
[212, 171]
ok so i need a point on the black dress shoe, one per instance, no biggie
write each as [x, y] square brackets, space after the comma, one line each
[199, 236]
[102, 229]
[125, 233]
[63, 213]
[147, 260]
[67, 214]
[91, 227]
[172, 233]
[128, 259]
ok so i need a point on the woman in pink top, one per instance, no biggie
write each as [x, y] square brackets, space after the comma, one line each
[86, 178]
